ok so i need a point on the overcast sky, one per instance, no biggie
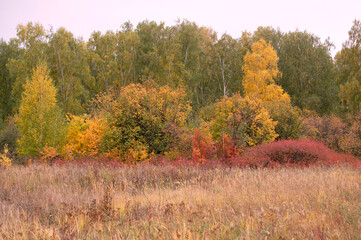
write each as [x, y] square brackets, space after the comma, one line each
[324, 18]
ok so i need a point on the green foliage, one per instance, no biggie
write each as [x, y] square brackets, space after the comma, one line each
[308, 73]
[244, 120]
[349, 70]
[288, 118]
[142, 119]
[68, 63]
[31, 39]
[7, 51]
[39, 120]
[113, 57]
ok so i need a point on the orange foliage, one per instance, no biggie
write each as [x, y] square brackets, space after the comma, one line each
[84, 136]
[48, 154]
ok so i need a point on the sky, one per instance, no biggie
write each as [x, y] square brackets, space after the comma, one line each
[324, 18]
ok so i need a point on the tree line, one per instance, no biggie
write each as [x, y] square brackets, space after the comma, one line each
[153, 71]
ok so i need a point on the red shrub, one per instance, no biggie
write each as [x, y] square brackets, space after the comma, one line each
[203, 147]
[227, 149]
[292, 153]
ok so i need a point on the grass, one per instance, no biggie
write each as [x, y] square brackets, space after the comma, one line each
[169, 202]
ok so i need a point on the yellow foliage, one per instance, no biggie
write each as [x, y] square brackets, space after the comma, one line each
[139, 153]
[84, 135]
[260, 69]
[245, 120]
[143, 120]
[5, 161]
[39, 120]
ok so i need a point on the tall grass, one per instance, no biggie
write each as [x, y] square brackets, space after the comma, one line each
[168, 202]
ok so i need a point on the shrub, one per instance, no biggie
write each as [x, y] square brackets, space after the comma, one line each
[291, 153]
[84, 135]
[142, 119]
[242, 119]
[203, 146]
[289, 122]
[328, 129]
[351, 141]
[5, 161]
[9, 135]
[48, 154]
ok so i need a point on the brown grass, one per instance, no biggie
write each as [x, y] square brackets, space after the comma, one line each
[167, 202]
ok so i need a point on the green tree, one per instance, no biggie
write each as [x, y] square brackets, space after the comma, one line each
[32, 41]
[349, 70]
[308, 72]
[7, 51]
[270, 35]
[103, 63]
[227, 68]
[39, 120]
[68, 62]
[113, 57]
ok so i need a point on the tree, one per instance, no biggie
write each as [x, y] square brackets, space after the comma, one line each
[113, 57]
[228, 59]
[7, 51]
[69, 67]
[103, 63]
[260, 71]
[349, 70]
[39, 120]
[32, 41]
[270, 35]
[308, 72]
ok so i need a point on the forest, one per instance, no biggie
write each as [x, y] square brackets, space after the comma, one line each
[177, 132]
[181, 91]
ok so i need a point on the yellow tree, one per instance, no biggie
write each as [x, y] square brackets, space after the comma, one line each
[39, 121]
[260, 71]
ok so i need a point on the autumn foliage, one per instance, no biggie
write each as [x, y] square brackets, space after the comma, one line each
[245, 120]
[292, 153]
[84, 136]
[132, 123]
[203, 147]
[142, 121]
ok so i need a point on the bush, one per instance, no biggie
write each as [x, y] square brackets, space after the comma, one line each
[351, 141]
[289, 122]
[9, 135]
[203, 146]
[244, 120]
[292, 153]
[142, 121]
[328, 129]
[84, 135]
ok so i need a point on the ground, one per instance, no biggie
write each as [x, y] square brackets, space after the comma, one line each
[179, 202]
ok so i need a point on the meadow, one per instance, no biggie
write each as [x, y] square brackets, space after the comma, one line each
[165, 201]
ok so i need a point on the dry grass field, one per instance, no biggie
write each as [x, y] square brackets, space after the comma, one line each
[172, 202]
